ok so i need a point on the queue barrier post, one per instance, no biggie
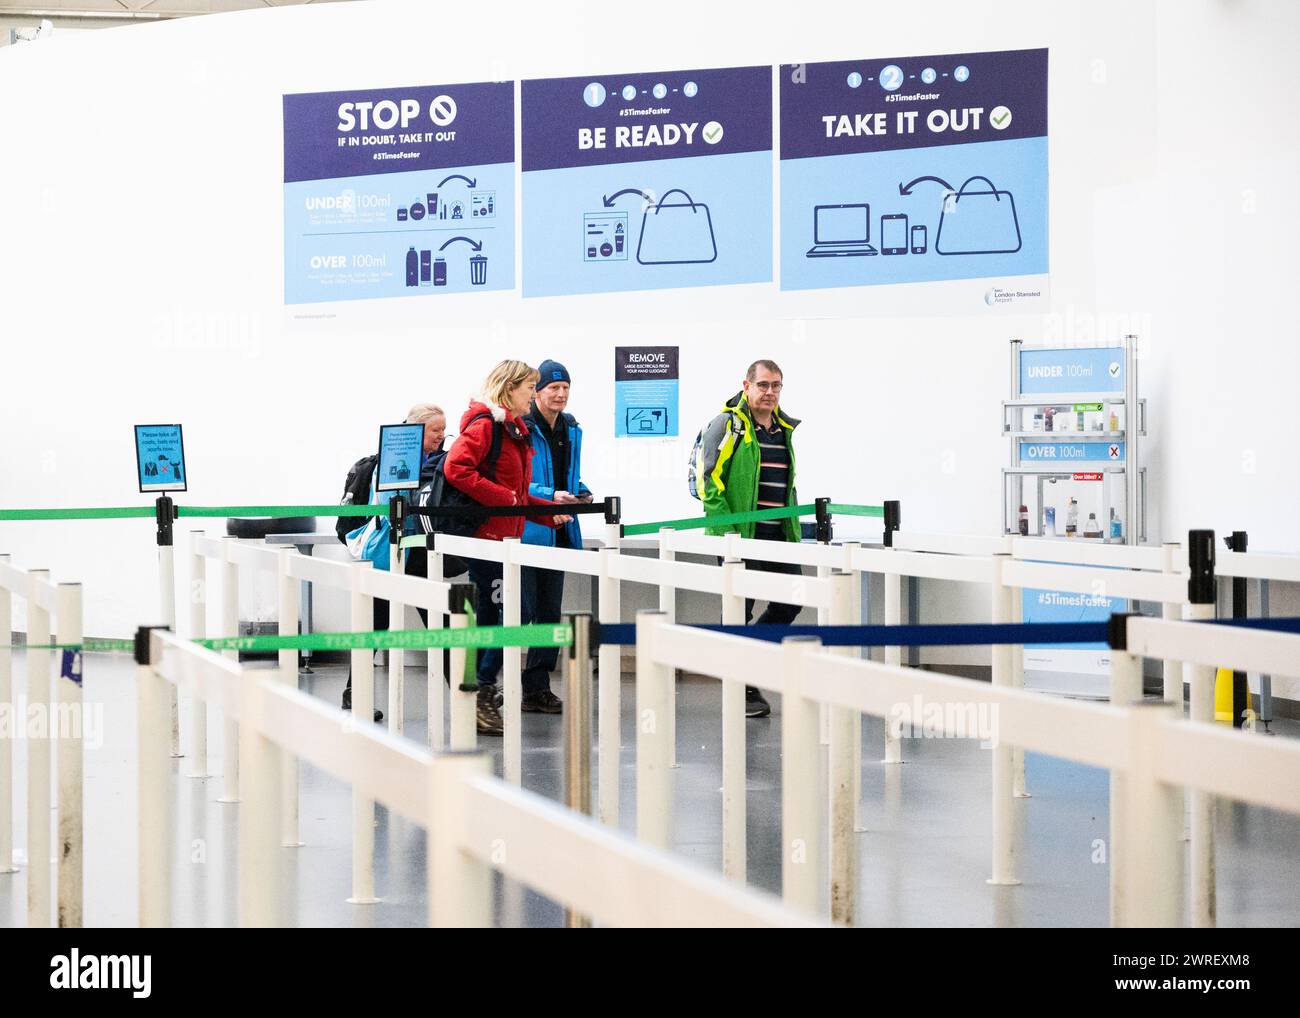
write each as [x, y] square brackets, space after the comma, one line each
[230, 787]
[1125, 688]
[1152, 822]
[668, 605]
[801, 791]
[463, 598]
[39, 883]
[154, 802]
[610, 700]
[1017, 662]
[165, 516]
[734, 815]
[6, 745]
[893, 654]
[842, 763]
[71, 711]
[363, 710]
[577, 732]
[1200, 681]
[459, 883]
[260, 825]
[654, 798]
[396, 657]
[1172, 671]
[511, 666]
[857, 613]
[198, 601]
[1238, 541]
[1004, 853]
[288, 669]
[436, 666]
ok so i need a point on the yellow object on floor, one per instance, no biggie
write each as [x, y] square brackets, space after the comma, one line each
[1223, 696]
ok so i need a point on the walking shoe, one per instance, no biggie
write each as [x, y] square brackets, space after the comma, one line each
[755, 705]
[347, 705]
[544, 702]
[487, 714]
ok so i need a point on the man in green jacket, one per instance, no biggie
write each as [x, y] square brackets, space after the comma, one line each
[746, 462]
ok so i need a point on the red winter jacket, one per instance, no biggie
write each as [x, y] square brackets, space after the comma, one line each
[514, 469]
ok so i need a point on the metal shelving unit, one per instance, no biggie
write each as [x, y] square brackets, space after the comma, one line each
[1122, 476]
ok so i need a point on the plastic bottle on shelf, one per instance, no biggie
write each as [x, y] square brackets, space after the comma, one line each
[1114, 421]
[1116, 527]
[1072, 519]
[1079, 420]
[1024, 520]
[1049, 521]
[1048, 413]
[1092, 528]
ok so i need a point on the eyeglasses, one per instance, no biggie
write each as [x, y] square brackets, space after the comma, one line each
[768, 386]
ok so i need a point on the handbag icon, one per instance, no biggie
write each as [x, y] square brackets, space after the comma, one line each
[676, 233]
[978, 222]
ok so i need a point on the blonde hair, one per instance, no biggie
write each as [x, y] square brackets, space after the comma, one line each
[505, 377]
[424, 412]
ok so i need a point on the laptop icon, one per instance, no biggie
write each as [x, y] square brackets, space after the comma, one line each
[841, 231]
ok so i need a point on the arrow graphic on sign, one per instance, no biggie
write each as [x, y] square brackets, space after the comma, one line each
[610, 199]
[458, 176]
[476, 245]
[907, 188]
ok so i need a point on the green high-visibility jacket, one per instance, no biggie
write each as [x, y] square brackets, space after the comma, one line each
[727, 467]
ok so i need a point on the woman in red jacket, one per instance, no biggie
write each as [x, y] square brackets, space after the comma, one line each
[506, 398]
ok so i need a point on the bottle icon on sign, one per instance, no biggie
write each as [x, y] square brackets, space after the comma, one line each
[412, 268]
[440, 272]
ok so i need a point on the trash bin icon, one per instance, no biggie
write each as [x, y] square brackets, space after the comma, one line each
[478, 270]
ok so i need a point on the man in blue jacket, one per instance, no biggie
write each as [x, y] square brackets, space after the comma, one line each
[557, 475]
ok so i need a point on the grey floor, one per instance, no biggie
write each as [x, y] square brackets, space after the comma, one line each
[924, 857]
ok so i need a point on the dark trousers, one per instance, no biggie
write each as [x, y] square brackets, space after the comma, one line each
[543, 595]
[486, 576]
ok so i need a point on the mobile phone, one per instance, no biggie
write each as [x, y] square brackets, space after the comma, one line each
[918, 240]
[893, 234]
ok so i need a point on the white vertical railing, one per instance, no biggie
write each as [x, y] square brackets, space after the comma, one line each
[198, 601]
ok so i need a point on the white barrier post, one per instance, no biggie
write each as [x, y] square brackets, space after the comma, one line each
[71, 712]
[154, 804]
[396, 655]
[1200, 679]
[844, 856]
[463, 699]
[1152, 824]
[857, 617]
[435, 667]
[460, 885]
[668, 605]
[1017, 655]
[654, 794]
[801, 793]
[6, 745]
[259, 826]
[1125, 689]
[165, 512]
[733, 738]
[229, 627]
[610, 703]
[1172, 672]
[363, 711]
[39, 889]
[198, 630]
[511, 667]
[1004, 859]
[893, 656]
[288, 765]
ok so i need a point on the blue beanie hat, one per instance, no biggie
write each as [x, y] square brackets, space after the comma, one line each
[551, 371]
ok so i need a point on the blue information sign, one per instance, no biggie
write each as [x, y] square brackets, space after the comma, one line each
[160, 457]
[401, 447]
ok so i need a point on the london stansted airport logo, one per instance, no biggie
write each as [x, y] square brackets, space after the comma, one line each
[125, 973]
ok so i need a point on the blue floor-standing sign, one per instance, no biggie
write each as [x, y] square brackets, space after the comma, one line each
[645, 391]
[913, 169]
[160, 457]
[399, 192]
[648, 180]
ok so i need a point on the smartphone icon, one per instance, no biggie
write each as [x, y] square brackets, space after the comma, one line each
[918, 240]
[893, 234]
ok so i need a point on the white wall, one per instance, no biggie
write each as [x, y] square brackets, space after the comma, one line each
[142, 277]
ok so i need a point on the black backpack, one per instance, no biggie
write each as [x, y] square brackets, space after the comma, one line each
[439, 492]
[356, 491]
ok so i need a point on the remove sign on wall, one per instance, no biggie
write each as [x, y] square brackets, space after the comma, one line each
[645, 391]
[648, 180]
[399, 192]
[916, 169]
